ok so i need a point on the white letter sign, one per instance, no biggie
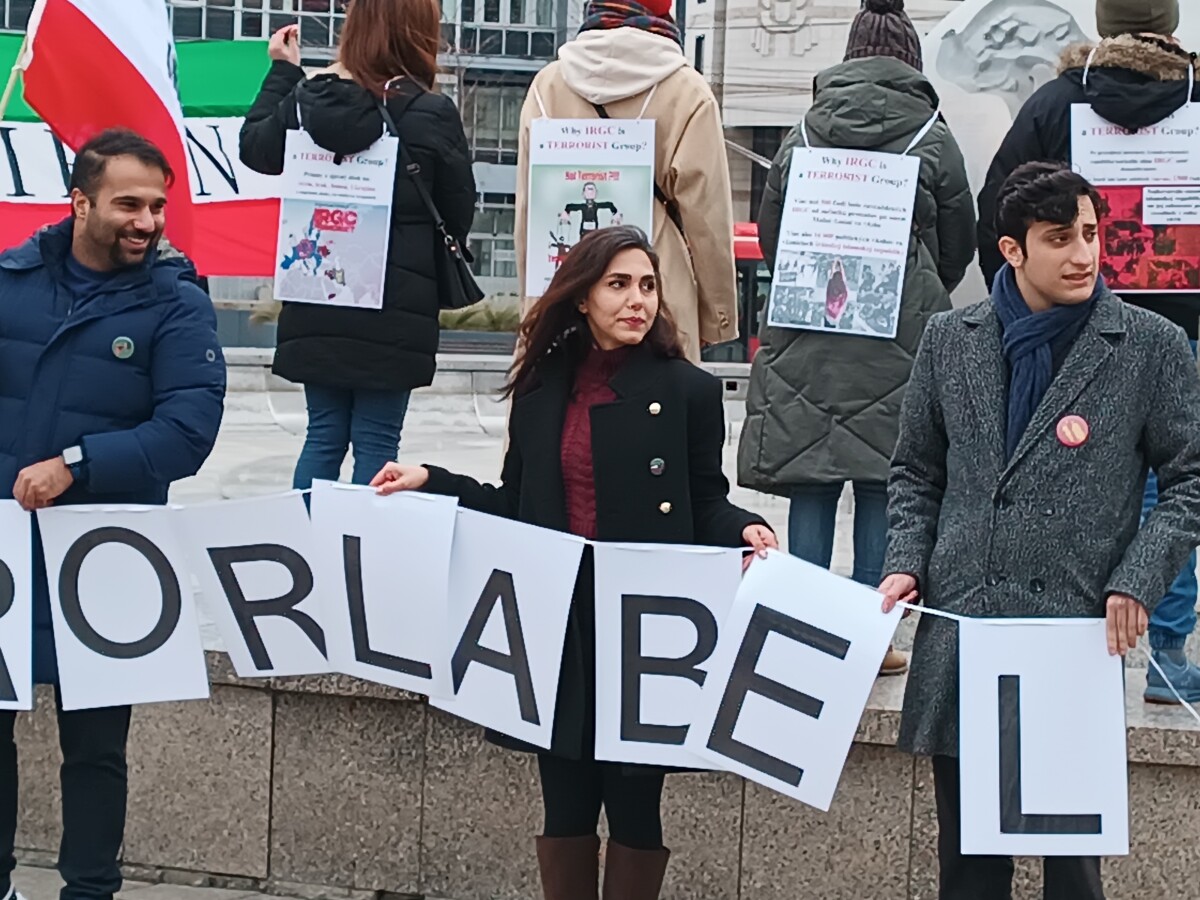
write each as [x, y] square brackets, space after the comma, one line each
[658, 611]
[790, 679]
[511, 586]
[124, 616]
[16, 607]
[1041, 775]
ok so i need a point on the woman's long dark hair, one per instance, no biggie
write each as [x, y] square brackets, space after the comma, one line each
[555, 323]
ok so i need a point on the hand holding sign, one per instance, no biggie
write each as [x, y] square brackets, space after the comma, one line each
[762, 539]
[41, 484]
[1127, 621]
[284, 45]
[898, 588]
[394, 477]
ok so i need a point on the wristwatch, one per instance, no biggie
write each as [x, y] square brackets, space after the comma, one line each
[72, 457]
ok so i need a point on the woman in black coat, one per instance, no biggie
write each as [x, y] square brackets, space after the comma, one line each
[359, 365]
[613, 436]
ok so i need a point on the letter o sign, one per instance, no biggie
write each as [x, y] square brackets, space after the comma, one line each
[72, 609]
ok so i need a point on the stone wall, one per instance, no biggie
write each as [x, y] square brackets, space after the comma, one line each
[329, 787]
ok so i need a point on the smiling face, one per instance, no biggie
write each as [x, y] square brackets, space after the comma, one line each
[117, 227]
[1059, 264]
[621, 306]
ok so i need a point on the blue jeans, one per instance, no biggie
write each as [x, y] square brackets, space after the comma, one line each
[1175, 617]
[368, 420]
[812, 520]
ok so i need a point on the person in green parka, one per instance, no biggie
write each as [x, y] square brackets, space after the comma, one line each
[824, 406]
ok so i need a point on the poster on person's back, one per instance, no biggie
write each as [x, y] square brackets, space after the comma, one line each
[1150, 182]
[843, 241]
[584, 175]
[334, 223]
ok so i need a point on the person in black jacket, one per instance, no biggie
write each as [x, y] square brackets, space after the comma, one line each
[613, 436]
[1135, 77]
[359, 365]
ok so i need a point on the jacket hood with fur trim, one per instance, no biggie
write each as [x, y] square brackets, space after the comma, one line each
[1132, 81]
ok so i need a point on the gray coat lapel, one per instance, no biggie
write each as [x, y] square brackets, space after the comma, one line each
[1092, 350]
[985, 375]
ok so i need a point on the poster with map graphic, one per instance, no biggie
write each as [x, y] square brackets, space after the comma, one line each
[1150, 182]
[334, 223]
[584, 174]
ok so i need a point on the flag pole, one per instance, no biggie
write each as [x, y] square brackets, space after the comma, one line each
[13, 77]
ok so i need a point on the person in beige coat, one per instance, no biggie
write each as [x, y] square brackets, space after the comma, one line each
[628, 60]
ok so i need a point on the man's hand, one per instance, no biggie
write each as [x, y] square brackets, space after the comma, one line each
[1127, 621]
[39, 485]
[899, 588]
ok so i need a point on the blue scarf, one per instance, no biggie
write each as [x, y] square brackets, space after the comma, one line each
[1031, 344]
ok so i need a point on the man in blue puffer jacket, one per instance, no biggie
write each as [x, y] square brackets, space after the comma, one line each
[112, 385]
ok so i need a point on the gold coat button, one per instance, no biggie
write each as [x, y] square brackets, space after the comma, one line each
[664, 508]
[655, 408]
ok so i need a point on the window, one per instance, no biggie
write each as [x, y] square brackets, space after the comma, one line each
[223, 20]
[699, 58]
[491, 238]
[16, 14]
[492, 119]
[518, 28]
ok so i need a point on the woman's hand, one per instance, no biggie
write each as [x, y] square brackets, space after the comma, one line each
[762, 539]
[898, 589]
[285, 45]
[393, 478]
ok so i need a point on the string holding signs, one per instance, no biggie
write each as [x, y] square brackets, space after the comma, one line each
[16, 607]
[125, 629]
[511, 587]
[584, 174]
[382, 576]
[658, 614]
[1040, 776]
[254, 562]
[790, 678]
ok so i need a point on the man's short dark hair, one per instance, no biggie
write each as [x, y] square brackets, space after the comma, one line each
[93, 157]
[1041, 192]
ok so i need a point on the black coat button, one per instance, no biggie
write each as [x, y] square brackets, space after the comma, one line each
[994, 579]
[657, 466]
[1037, 586]
[1048, 511]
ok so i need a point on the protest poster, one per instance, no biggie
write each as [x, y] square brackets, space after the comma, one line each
[658, 613]
[843, 242]
[1040, 777]
[335, 217]
[254, 559]
[16, 607]
[511, 586]
[381, 574]
[121, 603]
[1150, 182]
[584, 174]
[787, 685]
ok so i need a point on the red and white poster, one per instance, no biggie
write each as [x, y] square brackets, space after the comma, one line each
[1150, 180]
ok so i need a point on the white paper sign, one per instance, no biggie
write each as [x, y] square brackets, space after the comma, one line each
[1171, 205]
[511, 586]
[584, 174]
[658, 614]
[255, 559]
[383, 564]
[790, 678]
[1040, 776]
[1164, 154]
[123, 611]
[16, 607]
[843, 243]
[334, 223]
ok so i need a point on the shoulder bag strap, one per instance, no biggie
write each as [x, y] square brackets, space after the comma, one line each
[660, 195]
[411, 166]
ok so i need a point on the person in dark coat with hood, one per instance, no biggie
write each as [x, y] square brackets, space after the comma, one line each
[824, 407]
[358, 366]
[1135, 77]
[613, 436]
[112, 384]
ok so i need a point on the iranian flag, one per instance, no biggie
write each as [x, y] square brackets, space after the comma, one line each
[96, 64]
[115, 68]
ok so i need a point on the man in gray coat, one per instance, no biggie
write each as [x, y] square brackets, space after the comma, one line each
[1016, 486]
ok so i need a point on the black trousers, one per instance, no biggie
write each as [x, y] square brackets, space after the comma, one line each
[94, 789]
[573, 791]
[990, 877]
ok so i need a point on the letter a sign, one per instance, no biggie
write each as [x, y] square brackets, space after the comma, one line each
[1042, 739]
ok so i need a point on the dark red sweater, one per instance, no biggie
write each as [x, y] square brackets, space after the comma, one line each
[579, 482]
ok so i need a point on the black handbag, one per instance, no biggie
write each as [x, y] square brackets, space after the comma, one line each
[456, 283]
